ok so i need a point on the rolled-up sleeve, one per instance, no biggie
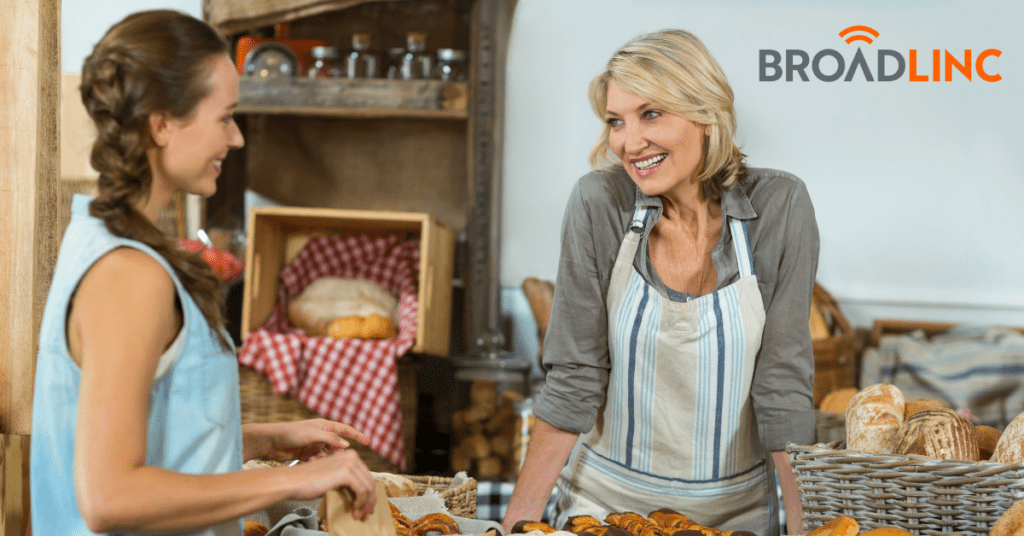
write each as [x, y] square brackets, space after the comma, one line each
[575, 356]
[784, 375]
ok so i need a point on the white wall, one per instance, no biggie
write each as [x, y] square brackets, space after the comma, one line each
[916, 186]
[83, 23]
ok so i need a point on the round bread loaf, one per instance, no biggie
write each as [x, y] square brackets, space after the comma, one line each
[1011, 523]
[988, 438]
[1010, 448]
[873, 419]
[329, 298]
[838, 400]
[922, 404]
[939, 433]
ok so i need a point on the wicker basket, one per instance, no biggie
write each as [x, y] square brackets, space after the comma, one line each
[925, 496]
[261, 404]
[461, 500]
[835, 357]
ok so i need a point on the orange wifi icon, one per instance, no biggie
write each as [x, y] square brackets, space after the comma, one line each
[858, 36]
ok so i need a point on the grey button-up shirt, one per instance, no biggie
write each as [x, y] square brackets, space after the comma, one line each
[783, 236]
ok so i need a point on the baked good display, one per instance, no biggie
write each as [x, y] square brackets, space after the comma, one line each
[939, 433]
[329, 298]
[874, 417]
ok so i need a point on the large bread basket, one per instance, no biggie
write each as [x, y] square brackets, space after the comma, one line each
[925, 496]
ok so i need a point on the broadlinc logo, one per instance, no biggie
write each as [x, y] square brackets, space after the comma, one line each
[889, 65]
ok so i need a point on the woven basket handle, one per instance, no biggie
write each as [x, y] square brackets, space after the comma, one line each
[838, 325]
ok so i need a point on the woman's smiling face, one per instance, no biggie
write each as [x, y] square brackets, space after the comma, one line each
[661, 151]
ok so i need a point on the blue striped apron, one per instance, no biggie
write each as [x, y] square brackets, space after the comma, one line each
[677, 429]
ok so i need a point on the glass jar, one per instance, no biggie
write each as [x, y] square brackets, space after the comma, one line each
[451, 65]
[324, 64]
[360, 62]
[488, 429]
[393, 63]
[416, 64]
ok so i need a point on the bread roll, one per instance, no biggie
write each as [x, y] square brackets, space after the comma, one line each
[1010, 448]
[330, 298]
[1011, 523]
[839, 526]
[397, 485]
[873, 419]
[837, 401]
[922, 404]
[988, 438]
[939, 433]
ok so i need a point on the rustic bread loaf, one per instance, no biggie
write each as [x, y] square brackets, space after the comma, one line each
[988, 438]
[922, 404]
[939, 433]
[329, 298]
[397, 485]
[874, 417]
[1010, 448]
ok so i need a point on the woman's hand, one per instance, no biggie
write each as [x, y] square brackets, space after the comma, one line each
[343, 469]
[298, 440]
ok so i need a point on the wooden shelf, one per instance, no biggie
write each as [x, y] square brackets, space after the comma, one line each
[339, 97]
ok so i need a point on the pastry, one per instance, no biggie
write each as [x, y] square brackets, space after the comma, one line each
[1010, 447]
[578, 523]
[840, 526]
[525, 526]
[922, 404]
[1011, 522]
[255, 528]
[436, 522]
[988, 438]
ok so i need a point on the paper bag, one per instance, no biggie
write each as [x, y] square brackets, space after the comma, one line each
[341, 523]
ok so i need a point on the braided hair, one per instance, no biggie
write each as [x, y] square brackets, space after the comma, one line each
[151, 61]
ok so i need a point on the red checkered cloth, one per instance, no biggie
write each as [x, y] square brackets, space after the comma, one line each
[353, 381]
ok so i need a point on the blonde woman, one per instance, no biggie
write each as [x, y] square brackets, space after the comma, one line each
[678, 355]
[136, 419]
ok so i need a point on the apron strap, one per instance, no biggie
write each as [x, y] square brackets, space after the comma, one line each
[740, 241]
[639, 219]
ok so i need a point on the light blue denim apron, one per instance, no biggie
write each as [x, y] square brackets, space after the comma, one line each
[194, 422]
[677, 429]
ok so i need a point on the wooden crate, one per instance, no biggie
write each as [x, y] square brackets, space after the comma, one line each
[277, 234]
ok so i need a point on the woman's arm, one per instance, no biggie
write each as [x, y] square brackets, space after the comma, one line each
[123, 318]
[790, 493]
[548, 451]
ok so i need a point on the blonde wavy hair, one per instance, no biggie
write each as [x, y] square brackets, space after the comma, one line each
[675, 69]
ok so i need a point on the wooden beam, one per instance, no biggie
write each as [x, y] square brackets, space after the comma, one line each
[29, 233]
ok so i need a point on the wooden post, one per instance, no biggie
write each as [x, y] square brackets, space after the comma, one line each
[29, 234]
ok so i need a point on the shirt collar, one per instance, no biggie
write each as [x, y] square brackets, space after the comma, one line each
[735, 203]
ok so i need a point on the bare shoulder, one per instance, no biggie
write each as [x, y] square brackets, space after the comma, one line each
[125, 291]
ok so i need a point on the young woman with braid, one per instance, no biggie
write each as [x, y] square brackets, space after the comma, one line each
[136, 418]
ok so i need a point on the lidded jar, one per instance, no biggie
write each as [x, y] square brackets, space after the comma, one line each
[451, 65]
[416, 64]
[324, 64]
[360, 62]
